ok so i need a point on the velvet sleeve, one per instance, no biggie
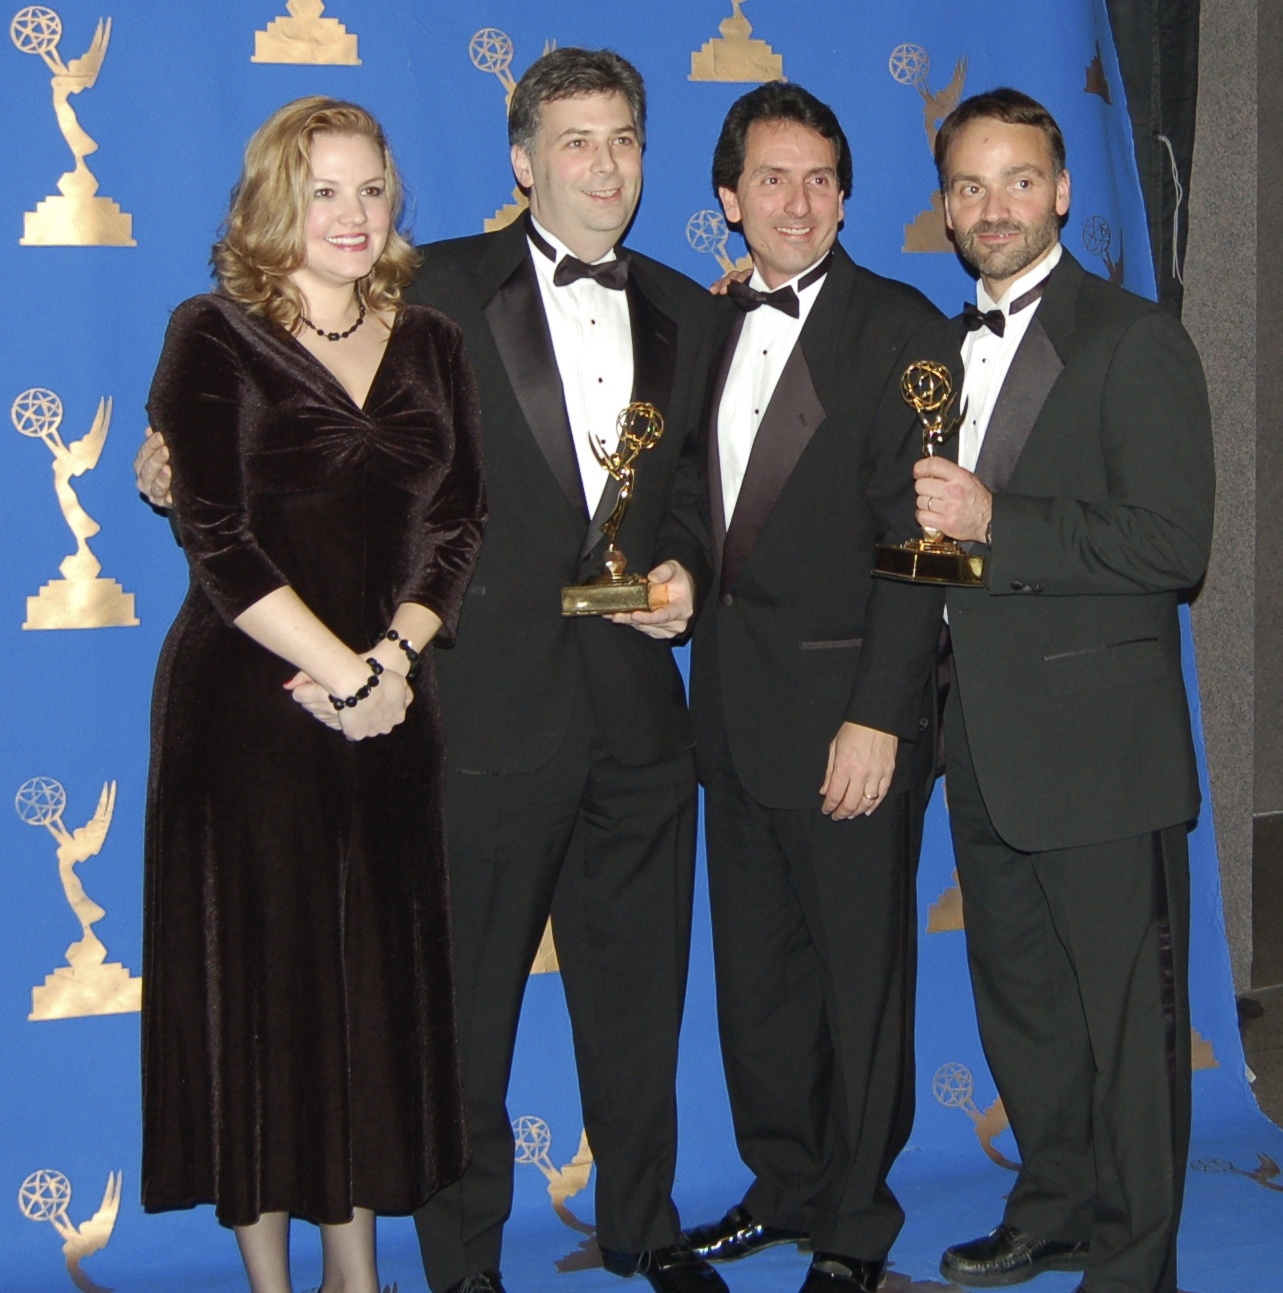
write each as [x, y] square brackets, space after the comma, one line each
[199, 401]
[443, 536]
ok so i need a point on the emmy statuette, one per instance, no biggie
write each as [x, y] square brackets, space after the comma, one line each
[927, 387]
[612, 591]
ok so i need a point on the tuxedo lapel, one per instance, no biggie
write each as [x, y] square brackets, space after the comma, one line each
[785, 430]
[514, 313]
[654, 371]
[1034, 369]
[1033, 372]
[790, 420]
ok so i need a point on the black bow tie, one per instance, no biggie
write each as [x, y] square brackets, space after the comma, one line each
[783, 298]
[974, 318]
[570, 269]
[749, 298]
[609, 273]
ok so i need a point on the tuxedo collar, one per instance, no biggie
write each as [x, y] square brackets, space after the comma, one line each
[513, 308]
[790, 421]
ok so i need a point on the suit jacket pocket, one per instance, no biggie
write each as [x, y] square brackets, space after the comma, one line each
[1115, 664]
[830, 644]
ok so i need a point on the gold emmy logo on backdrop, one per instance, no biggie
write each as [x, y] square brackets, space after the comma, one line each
[1096, 81]
[545, 961]
[911, 65]
[46, 1196]
[305, 37]
[533, 1145]
[78, 218]
[707, 233]
[1202, 1053]
[79, 600]
[612, 591]
[491, 51]
[1265, 1173]
[88, 984]
[734, 55]
[944, 916]
[1098, 240]
[954, 1087]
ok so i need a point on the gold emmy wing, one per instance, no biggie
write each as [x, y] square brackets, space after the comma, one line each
[88, 984]
[46, 1195]
[76, 216]
[706, 232]
[491, 51]
[533, 1141]
[911, 65]
[80, 599]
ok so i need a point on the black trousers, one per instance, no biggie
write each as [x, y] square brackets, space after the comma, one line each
[815, 957]
[1079, 964]
[608, 851]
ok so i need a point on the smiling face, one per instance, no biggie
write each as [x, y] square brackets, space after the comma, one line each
[584, 171]
[1002, 199]
[348, 215]
[787, 200]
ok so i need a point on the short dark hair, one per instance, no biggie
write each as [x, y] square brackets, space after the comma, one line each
[1002, 104]
[776, 101]
[572, 73]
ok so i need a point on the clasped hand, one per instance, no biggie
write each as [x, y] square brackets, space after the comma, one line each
[382, 710]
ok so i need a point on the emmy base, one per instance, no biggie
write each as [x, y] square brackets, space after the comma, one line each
[80, 604]
[77, 221]
[609, 596]
[95, 990]
[927, 561]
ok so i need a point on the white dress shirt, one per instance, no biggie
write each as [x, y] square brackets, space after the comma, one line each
[765, 343]
[986, 357]
[592, 340]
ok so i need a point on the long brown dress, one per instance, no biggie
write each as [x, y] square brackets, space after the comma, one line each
[298, 1022]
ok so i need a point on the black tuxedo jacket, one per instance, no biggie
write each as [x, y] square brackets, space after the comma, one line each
[797, 635]
[1068, 665]
[518, 669]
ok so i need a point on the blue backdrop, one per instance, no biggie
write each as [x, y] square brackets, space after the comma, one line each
[169, 93]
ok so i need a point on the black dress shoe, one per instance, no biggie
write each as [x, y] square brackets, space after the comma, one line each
[831, 1273]
[737, 1235]
[1007, 1256]
[479, 1282]
[675, 1269]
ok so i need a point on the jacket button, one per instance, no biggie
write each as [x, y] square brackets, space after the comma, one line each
[727, 599]
[923, 724]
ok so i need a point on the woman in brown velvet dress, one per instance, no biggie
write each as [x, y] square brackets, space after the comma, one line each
[298, 1032]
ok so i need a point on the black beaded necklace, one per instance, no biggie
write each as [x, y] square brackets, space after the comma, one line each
[337, 336]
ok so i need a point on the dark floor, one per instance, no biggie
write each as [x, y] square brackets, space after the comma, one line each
[1263, 1045]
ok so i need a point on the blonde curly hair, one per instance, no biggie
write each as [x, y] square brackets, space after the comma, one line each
[262, 240]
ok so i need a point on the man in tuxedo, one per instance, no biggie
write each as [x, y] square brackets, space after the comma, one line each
[1085, 473]
[571, 787]
[812, 694]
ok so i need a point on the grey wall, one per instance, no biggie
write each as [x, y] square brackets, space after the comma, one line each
[1267, 901]
[1221, 303]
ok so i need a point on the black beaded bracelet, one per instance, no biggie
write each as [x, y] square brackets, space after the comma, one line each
[410, 653]
[361, 692]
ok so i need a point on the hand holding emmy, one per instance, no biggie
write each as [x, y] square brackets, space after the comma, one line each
[927, 387]
[613, 590]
